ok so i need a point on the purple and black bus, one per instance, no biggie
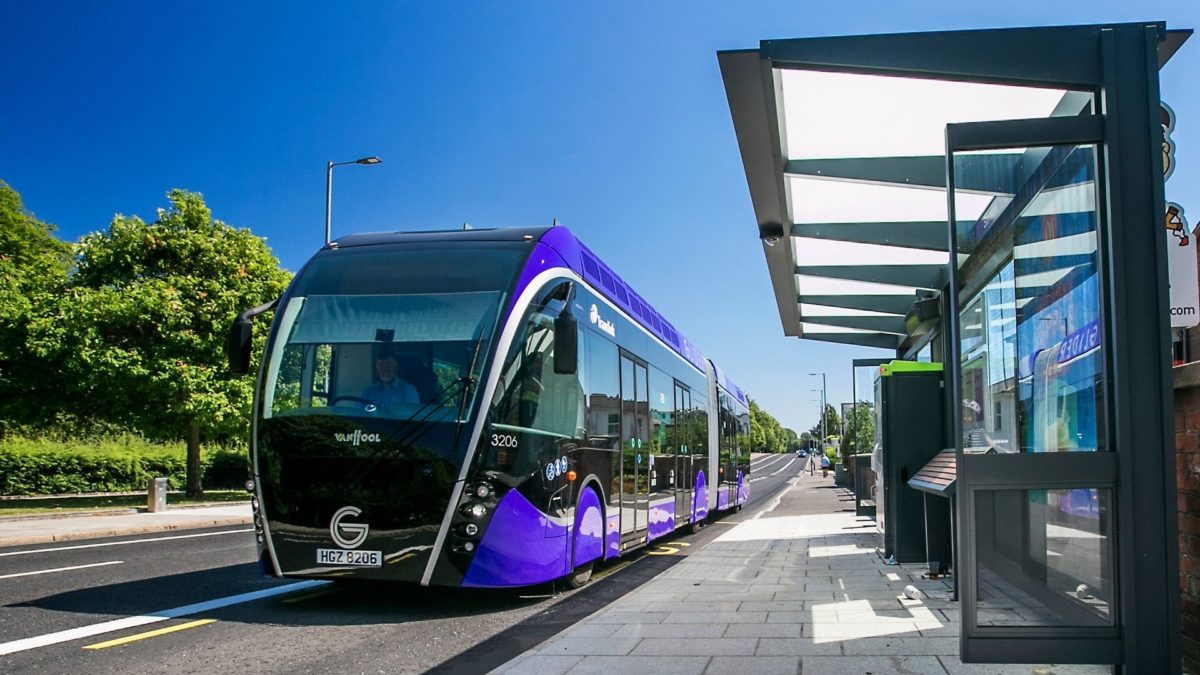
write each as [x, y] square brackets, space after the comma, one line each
[479, 408]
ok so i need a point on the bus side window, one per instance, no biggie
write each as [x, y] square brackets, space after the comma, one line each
[603, 410]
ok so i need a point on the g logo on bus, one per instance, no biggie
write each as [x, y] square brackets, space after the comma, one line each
[338, 530]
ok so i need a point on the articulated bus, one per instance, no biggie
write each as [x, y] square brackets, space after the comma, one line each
[481, 408]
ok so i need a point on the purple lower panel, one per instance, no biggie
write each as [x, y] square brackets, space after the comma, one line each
[515, 550]
[589, 528]
[700, 498]
[743, 490]
[722, 498]
[662, 519]
[612, 537]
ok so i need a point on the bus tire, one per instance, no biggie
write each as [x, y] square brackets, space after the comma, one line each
[581, 575]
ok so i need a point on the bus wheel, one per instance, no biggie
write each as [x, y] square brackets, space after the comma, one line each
[580, 576]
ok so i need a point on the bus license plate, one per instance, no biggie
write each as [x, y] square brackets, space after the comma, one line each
[337, 556]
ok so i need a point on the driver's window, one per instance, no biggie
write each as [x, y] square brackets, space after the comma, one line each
[305, 373]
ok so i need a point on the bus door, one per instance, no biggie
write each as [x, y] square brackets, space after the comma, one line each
[685, 475]
[635, 436]
[726, 463]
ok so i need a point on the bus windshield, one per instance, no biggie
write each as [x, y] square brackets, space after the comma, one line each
[388, 331]
[388, 356]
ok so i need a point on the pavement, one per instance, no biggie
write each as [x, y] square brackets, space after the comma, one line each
[29, 531]
[797, 589]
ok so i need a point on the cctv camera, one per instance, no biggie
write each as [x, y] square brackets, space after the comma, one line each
[770, 233]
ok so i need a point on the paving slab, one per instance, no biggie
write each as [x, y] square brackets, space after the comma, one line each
[758, 665]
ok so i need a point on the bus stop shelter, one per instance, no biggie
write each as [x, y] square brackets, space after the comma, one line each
[995, 197]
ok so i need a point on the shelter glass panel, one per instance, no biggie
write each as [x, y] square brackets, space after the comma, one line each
[1030, 346]
[1044, 557]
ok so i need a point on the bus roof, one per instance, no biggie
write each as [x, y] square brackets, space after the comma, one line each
[489, 234]
[590, 267]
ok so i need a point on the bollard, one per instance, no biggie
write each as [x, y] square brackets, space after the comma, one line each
[156, 495]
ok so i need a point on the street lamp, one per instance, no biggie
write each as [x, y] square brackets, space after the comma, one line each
[365, 161]
[823, 404]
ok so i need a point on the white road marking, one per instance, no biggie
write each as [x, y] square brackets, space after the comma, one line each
[791, 482]
[785, 466]
[60, 569]
[154, 617]
[127, 541]
[768, 461]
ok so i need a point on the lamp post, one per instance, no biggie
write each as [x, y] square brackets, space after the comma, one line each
[365, 161]
[823, 404]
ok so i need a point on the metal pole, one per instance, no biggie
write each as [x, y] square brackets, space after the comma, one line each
[328, 197]
[824, 408]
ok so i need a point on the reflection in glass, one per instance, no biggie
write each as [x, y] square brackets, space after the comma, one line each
[1044, 557]
[1030, 343]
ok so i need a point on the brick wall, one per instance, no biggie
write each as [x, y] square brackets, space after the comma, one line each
[1187, 477]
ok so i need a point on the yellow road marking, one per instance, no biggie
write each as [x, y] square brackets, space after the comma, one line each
[680, 543]
[149, 634]
[614, 568]
[663, 550]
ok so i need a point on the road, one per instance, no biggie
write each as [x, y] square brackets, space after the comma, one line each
[195, 602]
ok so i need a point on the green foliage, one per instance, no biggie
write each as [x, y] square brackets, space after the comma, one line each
[767, 435]
[33, 270]
[860, 430]
[833, 424]
[117, 464]
[139, 330]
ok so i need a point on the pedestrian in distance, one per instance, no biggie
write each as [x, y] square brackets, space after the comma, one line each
[824, 466]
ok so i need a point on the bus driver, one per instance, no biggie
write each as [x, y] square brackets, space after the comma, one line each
[389, 389]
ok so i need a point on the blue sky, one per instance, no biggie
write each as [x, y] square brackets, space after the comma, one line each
[610, 117]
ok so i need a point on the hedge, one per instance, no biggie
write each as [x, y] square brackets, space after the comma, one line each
[40, 467]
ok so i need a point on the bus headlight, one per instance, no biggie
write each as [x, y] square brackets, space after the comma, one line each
[476, 510]
[250, 485]
[471, 529]
[483, 490]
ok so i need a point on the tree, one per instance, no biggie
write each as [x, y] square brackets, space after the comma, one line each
[766, 434]
[832, 425]
[860, 430]
[33, 270]
[791, 441]
[141, 328]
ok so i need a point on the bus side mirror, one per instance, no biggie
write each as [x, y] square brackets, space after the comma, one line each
[566, 343]
[237, 346]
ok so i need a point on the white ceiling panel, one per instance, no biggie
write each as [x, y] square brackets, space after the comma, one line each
[829, 115]
[826, 252]
[810, 285]
[817, 200]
